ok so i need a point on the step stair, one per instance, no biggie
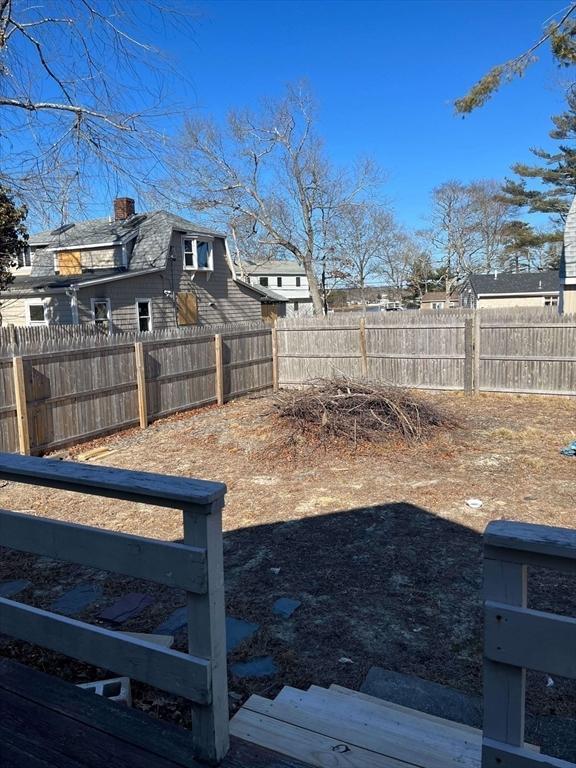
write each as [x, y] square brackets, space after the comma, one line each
[339, 728]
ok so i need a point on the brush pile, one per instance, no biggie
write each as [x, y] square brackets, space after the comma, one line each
[360, 411]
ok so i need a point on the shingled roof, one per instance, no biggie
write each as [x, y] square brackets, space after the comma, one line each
[152, 231]
[515, 282]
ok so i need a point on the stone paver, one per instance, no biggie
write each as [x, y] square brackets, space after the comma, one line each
[263, 666]
[11, 588]
[127, 607]
[77, 599]
[285, 607]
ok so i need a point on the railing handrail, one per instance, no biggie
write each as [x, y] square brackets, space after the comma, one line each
[150, 488]
[195, 565]
[517, 638]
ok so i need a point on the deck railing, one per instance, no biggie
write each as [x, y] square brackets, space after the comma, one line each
[517, 638]
[196, 566]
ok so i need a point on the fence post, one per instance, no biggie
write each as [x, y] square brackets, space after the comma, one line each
[477, 329]
[363, 353]
[21, 406]
[207, 632]
[468, 355]
[219, 369]
[275, 383]
[504, 685]
[141, 381]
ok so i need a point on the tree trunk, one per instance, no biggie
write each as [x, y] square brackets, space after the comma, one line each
[317, 302]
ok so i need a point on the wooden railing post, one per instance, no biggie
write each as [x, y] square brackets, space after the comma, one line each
[21, 406]
[275, 382]
[207, 632]
[363, 352]
[141, 381]
[218, 356]
[504, 685]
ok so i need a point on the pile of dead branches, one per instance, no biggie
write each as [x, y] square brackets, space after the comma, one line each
[360, 411]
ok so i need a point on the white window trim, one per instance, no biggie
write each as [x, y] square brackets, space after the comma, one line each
[195, 267]
[139, 301]
[93, 302]
[35, 303]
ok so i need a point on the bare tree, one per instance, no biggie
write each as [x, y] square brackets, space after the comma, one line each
[80, 95]
[269, 171]
[490, 218]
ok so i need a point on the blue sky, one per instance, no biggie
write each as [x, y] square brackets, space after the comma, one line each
[385, 74]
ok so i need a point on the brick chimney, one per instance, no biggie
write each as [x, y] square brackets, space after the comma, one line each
[123, 208]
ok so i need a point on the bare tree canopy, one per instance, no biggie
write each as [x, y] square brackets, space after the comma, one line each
[80, 98]
[559, 33]
[267, 172]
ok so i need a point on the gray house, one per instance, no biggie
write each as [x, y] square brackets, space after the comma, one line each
[148, 271]
[568, 263]
[498, 290]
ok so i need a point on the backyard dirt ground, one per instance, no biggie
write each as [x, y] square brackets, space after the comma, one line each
[377, 544]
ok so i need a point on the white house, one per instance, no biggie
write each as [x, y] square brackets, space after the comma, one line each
[286, 278]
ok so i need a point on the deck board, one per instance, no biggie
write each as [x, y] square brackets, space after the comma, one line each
[46, 722]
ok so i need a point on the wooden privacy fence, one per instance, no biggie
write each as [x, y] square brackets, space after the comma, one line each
[195, 566]
[67, 393]
[520, 351]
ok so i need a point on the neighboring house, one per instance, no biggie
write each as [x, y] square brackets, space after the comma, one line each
[286, 278]
[568, 264]
[130, 272]
[510, 289]
[437, 300]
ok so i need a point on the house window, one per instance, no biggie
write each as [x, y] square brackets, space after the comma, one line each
[25, 258]
[101, 314]
[197, 254]
[298, 282]
[296, 306]
[36, 313]
[279, 282]
[437, 305]
[144, 315]
[550, 301]
[264, 281]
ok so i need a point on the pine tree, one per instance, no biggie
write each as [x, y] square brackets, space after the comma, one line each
[13, 236]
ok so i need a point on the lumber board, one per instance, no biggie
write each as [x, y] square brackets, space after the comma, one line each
[176, 565]
[169, 670]
[537, 640]
[530, 538]
[128, 725]
[498, 755]
[144, 487]
[361, 726]
[305, 745]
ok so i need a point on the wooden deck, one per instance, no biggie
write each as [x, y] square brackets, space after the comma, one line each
[48, 723]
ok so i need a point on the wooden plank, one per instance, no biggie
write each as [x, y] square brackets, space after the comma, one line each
[275, 385]
[129, 725]
[468, 355]
[536, 640]
[385, 732]
[423, 717]
[476, 341]
[171, 671]
[362, 343]
[141, 383]
[88, 393]
[504, 686]
[498, 755]
[529, 538]
[187, 305]
[145, 487]
[72, 739]
[207, 634]
[219, 369]
[21, 406]
[176, 565]
[306, 745]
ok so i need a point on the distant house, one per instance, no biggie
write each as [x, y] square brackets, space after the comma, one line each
[567, 301]
[286, 278]
[129, 272]
[437, 300]
[510, 289]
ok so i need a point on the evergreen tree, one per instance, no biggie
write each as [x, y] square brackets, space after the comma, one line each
[13, 236]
